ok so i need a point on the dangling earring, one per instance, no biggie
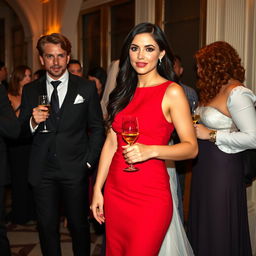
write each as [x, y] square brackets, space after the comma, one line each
[160, 62]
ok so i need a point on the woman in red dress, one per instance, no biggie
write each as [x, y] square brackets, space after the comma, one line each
[137, 206]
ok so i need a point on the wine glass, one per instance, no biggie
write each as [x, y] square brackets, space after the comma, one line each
[44, 101]
[130, 132]
[195, 114]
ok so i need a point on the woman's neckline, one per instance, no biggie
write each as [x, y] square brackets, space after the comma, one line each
[154, 85]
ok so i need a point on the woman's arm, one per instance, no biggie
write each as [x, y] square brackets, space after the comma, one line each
[240, 105]
[176, 110]
[106, 156]
[242, 110]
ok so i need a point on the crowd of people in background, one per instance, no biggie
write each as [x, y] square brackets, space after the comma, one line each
[51, 158]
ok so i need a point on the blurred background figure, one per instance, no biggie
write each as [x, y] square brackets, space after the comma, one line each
[20, 76]
[182, 166]
[189, 91]
[75, 67]
[3, 75]
[99, 76]
[39, 73]
[110, 85]
[22, 210]
[9, 127]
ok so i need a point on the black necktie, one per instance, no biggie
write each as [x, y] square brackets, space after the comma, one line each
[54, 98]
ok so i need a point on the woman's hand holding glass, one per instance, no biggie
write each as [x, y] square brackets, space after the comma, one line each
[202, 132]
[130, 133]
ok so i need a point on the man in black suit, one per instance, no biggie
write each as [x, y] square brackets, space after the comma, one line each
[61, 159]
[9, 128]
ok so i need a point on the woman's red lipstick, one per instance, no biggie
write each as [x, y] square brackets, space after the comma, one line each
[141, 64]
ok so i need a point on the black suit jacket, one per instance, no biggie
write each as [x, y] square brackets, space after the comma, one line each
[9, 128]
[77, 136]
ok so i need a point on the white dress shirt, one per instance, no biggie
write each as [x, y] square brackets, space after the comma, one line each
[62, 87]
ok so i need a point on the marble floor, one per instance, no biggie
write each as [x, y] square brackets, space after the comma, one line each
[24, 240]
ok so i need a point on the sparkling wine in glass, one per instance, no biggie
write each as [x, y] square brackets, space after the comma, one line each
[130, 133]
[195, 114]
[44, 101]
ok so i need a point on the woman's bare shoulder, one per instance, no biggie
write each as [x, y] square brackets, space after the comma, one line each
[229, 87]
[174, 89]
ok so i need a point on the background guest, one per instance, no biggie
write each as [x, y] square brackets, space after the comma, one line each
[110, 85]
[18, 154]
[9, 128]
[20, 76]
[75, 67]
[3, 75]
[182, 166]
[39, 73]
[189, 91]
[99, 76]
[218, 221]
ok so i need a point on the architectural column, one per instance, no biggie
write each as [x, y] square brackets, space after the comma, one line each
[6, 14]
[234, 21]
[144, 11]
[70, 29]
[250, 43]
[30, 16]
[52, 13]
[215, 21]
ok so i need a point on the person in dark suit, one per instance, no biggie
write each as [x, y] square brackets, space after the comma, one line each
[61, 159]
[9, 128]
[182, 166]
[75, 67]
[3, 75]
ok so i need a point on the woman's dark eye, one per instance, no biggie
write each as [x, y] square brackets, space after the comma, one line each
[133, 48]
[150, 49]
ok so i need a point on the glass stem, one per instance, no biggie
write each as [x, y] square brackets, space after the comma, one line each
[131, 165]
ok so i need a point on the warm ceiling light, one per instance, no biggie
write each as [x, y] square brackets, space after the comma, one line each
[44, 1]
[53, 29]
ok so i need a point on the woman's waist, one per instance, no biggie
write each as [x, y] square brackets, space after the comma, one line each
[118, 159]
[150, 171]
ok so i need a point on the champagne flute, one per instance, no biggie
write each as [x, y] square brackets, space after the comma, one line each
[130, 132]
[195, 114]
[44, 101]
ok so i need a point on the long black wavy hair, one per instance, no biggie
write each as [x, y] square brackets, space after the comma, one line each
[127, 79]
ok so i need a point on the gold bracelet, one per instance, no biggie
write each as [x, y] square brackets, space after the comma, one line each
[212, 136]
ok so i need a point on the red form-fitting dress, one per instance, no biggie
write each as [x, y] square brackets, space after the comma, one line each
[138, 205]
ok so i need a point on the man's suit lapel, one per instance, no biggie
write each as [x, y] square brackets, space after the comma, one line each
[69, 98]
[42, 86]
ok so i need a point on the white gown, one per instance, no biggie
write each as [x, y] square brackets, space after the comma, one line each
[175, 242]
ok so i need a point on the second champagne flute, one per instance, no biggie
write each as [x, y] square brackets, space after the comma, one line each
[195, 115]
[130, 132]
[44, 101]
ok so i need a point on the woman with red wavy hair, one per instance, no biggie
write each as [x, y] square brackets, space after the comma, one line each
[218, 221]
